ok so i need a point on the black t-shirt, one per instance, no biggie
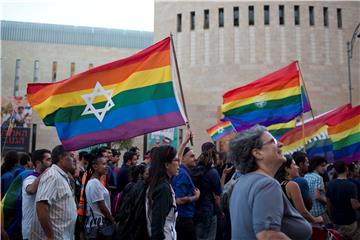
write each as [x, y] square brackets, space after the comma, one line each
[340, 191]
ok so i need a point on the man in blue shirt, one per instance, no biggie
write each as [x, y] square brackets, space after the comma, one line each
[302, 162]
[185, 193]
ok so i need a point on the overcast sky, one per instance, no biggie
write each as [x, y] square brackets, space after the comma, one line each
[121, 14]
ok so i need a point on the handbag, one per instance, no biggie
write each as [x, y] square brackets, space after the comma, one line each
[107, 229]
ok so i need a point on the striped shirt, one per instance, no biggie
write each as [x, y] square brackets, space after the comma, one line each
[54, 188]
[315, 181]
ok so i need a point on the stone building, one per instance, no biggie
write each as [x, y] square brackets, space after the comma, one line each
[222, 45]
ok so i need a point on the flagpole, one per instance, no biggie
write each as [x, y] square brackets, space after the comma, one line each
[306, 93]
[180, 85]
[303, 131]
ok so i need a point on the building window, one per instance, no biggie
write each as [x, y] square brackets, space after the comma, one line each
[311, 16]
[36, 71]
[281, 15]
[17, 77]
[206, 19]
[266, 14]
[72, 69]
[178, 24]
[221, 17]
[236, 16]
[297, 15]
[339, 18]
[251, 15]
[192, 20]
[326, 17]
[54, 71]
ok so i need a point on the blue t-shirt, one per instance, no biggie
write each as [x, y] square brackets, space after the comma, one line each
[209, 184]
[184, 187]
[304, 186]
[8, 177]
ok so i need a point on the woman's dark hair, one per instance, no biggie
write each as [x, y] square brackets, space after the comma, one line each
[240, 151]
[92, 159]
[24, 158]
[208, 158]
[281, 172]
[137, 172]
[10, 160]
[315, 162]
[157, 171]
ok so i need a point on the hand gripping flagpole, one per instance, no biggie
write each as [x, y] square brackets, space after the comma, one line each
[180, 86]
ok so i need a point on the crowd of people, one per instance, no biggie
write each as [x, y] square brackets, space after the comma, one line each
[252, 191]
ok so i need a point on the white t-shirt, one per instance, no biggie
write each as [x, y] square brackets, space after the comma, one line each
[95, 192]
[28, 207]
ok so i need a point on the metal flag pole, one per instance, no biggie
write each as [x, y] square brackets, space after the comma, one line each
[180, 85]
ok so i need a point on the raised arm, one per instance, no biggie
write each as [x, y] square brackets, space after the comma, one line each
[182, 146]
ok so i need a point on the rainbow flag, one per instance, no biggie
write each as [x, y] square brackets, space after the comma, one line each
[279, 129]
[274, 98]
[345, 135]
[315, 136]
[115, 101]
[220, 130]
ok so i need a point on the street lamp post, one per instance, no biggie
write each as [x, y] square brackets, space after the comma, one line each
[350, 46]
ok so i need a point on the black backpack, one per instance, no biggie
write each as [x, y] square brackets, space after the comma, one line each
[131, 217]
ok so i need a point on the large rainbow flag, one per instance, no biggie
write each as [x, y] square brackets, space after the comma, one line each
[275, 98]
[314, 135]
[115, 101]
[220, 130]
[345, 135]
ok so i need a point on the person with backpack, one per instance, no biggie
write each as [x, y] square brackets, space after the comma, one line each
[17, 206]
[207, 179]
[186, 194]
[130, 211]
[99, 223]
[42, 160]
[160, 196]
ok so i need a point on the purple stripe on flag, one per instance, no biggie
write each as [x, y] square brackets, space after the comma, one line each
[351, 158]
[125, 131]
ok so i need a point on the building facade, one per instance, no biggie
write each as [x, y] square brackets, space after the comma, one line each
[33, 52]
[221, 45]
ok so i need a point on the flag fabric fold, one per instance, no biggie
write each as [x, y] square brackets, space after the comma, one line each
[278, 97]
[220, 130]
[115, 101]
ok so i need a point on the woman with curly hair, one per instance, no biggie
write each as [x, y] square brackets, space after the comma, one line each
[286, 175]
[258, 207]
[160, 199]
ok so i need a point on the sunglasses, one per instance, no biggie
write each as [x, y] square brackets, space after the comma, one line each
[271, 141]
